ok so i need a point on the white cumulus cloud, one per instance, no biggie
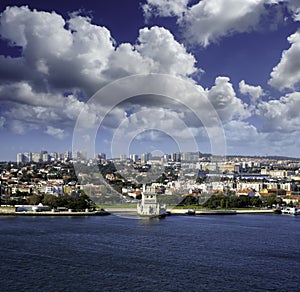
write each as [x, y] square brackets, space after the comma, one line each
[165, 7]
[255, 92]
[75, 53]
[169, 56]
[281, 115]
[294, 7]
[286, 75]
[224, 99]
[207, 21]
[55, 132]
[62, 62]
[2, 122]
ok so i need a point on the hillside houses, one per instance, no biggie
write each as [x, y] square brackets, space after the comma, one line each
[237, 176]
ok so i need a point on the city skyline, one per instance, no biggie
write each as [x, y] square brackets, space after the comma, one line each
[240, 69]
[47, 156]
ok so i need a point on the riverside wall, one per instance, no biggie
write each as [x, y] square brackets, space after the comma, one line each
[5, 211]
[174, 211]
[12, 212]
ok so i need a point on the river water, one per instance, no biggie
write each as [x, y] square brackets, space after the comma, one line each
[178, 253]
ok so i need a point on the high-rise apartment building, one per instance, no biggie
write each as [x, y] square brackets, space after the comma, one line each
[134, 157]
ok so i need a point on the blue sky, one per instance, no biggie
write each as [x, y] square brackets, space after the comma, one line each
[242, 57]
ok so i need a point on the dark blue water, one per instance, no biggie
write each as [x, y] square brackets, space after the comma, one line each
[213, 253]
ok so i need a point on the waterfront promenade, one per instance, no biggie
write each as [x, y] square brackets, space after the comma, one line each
[5, 211]
[217, 212]
[132, 212]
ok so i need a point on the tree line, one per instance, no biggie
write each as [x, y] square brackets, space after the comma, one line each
[75, 201]
[231, 201]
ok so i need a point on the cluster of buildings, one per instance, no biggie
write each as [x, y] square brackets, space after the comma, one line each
[194, 174]
[19, 182]
[45, 156]
[175, 157]
[185, 174]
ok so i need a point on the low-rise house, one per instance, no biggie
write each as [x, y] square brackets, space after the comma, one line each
[134, 194]
[20, 188]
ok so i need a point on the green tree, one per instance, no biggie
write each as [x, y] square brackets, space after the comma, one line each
[273, 200]
[222, 203]
[50, 200]
[35, 199]
[11, 202]
[256, 201]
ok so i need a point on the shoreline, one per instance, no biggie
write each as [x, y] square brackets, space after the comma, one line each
[131, 211]
[199, 212]
[50, 213]
[217, 212]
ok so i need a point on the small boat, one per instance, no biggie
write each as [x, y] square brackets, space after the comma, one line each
[290, 211]
[277, 211]
[190, 212]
